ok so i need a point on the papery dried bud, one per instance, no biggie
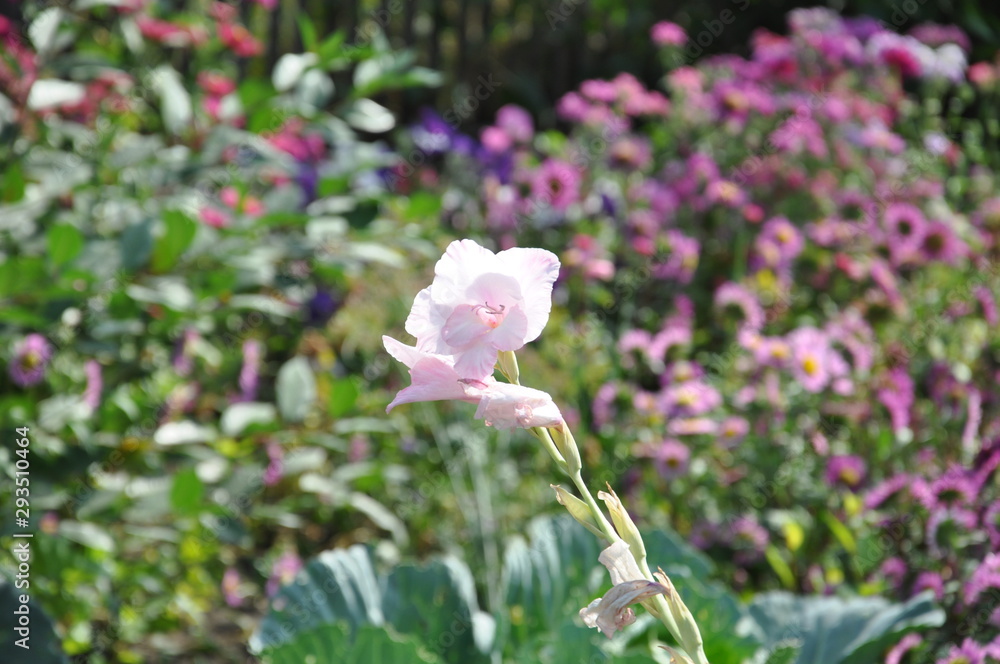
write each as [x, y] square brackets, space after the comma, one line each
[611, 612]
[578, 509]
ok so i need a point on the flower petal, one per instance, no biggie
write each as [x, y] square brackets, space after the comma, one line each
[536, 271]
[463, 262]
[464, 327]
[612, 613]
[506, 406]
[620, 562]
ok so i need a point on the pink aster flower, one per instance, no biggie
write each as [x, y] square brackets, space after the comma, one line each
[612, 612]
[671, 458]
[905, 228]
[906, 644]
[813, 362]
[283, 572]
[501, 405]
[556, 183]
[848, 470]
[739, 297]
[516, 123]
[31, 358]
[929, 581]
[969, 652]
[481, 303]
[732, 431]
[92, 392]
[666, 33]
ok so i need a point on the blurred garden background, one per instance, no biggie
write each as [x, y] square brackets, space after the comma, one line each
[774, 332]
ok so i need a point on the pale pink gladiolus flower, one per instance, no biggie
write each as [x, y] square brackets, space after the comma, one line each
[501, 405]
[481, 303]
[612, 612]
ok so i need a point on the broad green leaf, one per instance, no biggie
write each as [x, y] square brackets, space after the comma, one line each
[438, 601]
[239, 416]
[137, 244]
[12, 189]
[178, 234]
[836, 630]
[187, 493]
[343, 395]
[64, 243]
[333, 643]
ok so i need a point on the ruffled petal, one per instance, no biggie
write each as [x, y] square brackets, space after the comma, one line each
[463, 262]
[536, 271]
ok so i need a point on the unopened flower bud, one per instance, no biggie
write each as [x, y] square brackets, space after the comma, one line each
[624, 524]
[508, 366]
[578, 510]
[688, 634]
[566, 445]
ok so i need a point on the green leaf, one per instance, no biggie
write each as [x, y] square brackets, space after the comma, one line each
[179, 233]
[308, 32]
[332, 643]
[779, 566]
[41, 635]
[338, 609]
[438, 601]
[65, 242]
[12, 189]
[343, 395]
[187, 493]
[296, 389]
[137, 244]
[835, 630]
[238, 417]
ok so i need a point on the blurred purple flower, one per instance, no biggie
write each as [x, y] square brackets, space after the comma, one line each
[969, 652]
[250, 372]
[283, 572]
[894, 570]
[556, 184]
[845, 470]
[991, 523]
[320, 308]
[749, 539]
[92, 392]
[183, 362]
[880, 493]
[232, 593]
[740, 297]
[906, 644]
[666, 33]
[985, 577]
[516, 123]
[275, 467]
[929, 581]
[948, 528]
[671, 458]
[732, 431]
[897, 395]
[31, 358]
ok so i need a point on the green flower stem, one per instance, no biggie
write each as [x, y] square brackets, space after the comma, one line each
[595, 508]
[657, 606]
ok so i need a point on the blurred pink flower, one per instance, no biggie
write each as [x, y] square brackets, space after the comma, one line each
[666, 33]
